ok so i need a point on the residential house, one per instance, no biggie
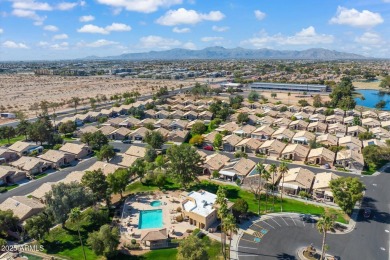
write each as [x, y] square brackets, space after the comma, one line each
[296, 180]
[321, 156]
[150, 113]
[285, 114]
[123, 160]
[380, 133]
[327, 140]
[321, 187]
[249, 145]
[138, 134]
[164, 132]
[229, 142]
[350, 159]
[228, 127]
[87, 129]
[272, 148]
[317, 118]
[179, 136]
[155, 239]
[41, 191]
[309, 109]
[282, 122]
[354, 113]
[253, 119]
[161, 114]
[298, 125]
[385, 125]
[266, 120]
[355, 130]
[303, 137]
[301, 115]
[205, 115]
[374, 142]
[7, 155]
[163, 123]
[294, 109]
[130, 122]
[209, 138]
[191, 115]
[176, 114]
[321, 110]
[337, 129]
[295, 152]
[137, 151]
[384, 116]
[263, 133]
[349, 120]
[107, 130]
[147, 121]
[79, 150]
[317, 127]
[244, 131]
[58, 159]
[10, 175]
[189, 107]
[214, 162]
[333, 119]
[121, 133]
[105, 167]
[25, 148]
[238, 168]
[178, 125]
[339, 112]
[369, 114]
[270, 114]
[283, 134]
[114, 121]
[370, 122]
[350, 142]
[31, 165]
[22, 207]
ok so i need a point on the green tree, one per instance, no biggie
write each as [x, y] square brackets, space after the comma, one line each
[260, 171]
[75, 102]
[8, 221]
[347, 191]
[196, 140]
[150, 154]
[67, 128]
[138, 168]
[283, 169]
[385, 83]
[317, 102]
[184, 163]
[22, 128]
[154, 139]
[161, 180]
[107, 152]
[366, 135]
[191, 248]
[240, 207]
[105, 241]
[198, 128]
[274, 95]
[303, 102]
[75, 217]
[380, 105]
[7, 132]
[64, 197]
[38, 226]
[96, 140]
[273, 169]
[253, 96]
[118, 181]
[217, 143]
[222, 212]
[230, 227]
[242, 118]
[96, 181]
[324, 225]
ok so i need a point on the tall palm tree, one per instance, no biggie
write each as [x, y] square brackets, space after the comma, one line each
[75, 217]
[260, 170]
[283, 169]
[75, 101]
[222, 212]
[324, 224]
[230, 227]
[266, 176]
[273, 169]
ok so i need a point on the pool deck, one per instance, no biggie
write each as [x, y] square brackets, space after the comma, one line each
[136, 203]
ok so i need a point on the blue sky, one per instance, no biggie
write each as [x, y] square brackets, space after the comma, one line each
[52, 29]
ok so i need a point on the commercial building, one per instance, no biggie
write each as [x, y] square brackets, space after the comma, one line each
[289, 87]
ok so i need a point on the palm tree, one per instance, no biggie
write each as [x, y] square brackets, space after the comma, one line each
[222, 212]
[76, 102]
[260, 170]
[324, 224]
[230, 227]
[266, 176]
[75, 217]
[273, 169]
[283, 169]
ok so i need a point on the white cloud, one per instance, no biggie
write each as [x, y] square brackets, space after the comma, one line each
[142, 6]
[14, 45]
[31, 5]
[353, 17]
[157, 42]
[42, 44]
[1, 30]
[60, 46]
[30, 15]
[220, 28]
[181, 30]
[189, 45]
[184, 16]
[50, 28]
[86, 18]
[62, 36]
[118, 27]
[114, 27]
[307, 36]
[64, 6]
[259, 15]
[370, 38]
[97, 44]
[211, 39]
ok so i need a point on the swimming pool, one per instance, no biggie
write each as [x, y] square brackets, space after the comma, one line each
[155, 203]
[150, 219]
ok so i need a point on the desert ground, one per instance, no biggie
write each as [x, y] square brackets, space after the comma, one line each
[366, 85]
[19, 92]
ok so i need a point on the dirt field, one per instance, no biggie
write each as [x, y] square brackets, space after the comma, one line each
[19, 92]
[291, 100]
[366, 85]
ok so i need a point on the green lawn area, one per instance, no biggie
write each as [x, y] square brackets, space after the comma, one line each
[143, 187]
[36, 177]
[10, 187]
[234, 193]
[372, 168]
[12, 140]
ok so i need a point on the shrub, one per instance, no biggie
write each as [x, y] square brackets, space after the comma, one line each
[189, 231]
[215, 174]
[3, 189]
[133, 241]
[304, 194]
[178, 209]
[238, 181]
[179, 218]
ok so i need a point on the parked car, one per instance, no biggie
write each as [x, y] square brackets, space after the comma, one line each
[367, 213]
[306, 218]
[326, 166]
[126, 141]
[208, 148]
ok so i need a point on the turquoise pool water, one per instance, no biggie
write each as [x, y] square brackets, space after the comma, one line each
[150, 219]
[372, 97]
[155, 203]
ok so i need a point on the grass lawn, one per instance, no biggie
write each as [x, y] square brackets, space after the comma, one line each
[10, 187]
[372, 168]
[36, 177]
[142, 187]
[12, 140]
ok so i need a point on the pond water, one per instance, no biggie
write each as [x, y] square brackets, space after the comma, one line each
[372, 97]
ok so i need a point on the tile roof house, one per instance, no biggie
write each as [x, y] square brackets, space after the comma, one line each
[107, 130]
[244, 131]
[79, 150]
[155, 239]
[120, 133]
[39, 193]
[282, 122]
[370, 122]
[321, 188]
[238, 168]
[303, 137]
[161, 114]
[58, 159]
[7, 155]
[327, 140]
[350, 159]
[337, 129]
[205, 115]
[309, 109]
[369, 114]
[263, 133]
[317, 118]
[138, 134]
[191, 115]
[163, 123]
[301, 115]
[321, 156]
[333, 119]
[355, 130]
[380, 133]
[123, 160]
[10, 175]
[296, 180]
[22, 207]
[385, 124]
[374, 142]
[384, 116]
[317, 127]
[350, 143]
[249, 145]
[349, 120]
[295, 152]
[266, 120]
[87, 129]
[31, 165]
[209, 138]
[228, 127]
[283, 133]
[229, 142]
[178, 125]
[272, 148]
[214, 162]
[179, 136]
[176, 114]
[298, 125]
[24, 148]
[137, 151]
[107, 168]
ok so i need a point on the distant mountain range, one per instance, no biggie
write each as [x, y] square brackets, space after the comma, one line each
[221, 53]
